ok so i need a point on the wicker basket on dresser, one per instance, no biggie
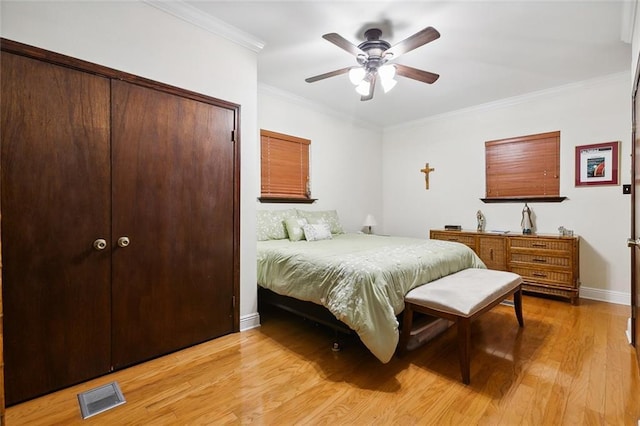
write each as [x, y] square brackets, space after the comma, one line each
[548, 264]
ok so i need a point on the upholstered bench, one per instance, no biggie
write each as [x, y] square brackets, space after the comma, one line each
[462, 297]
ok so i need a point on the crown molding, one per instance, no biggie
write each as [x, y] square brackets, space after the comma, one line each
[515, 100]
[197, 17]
[627, 20]
[315, 106]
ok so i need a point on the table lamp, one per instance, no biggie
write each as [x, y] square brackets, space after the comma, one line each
[369, 221]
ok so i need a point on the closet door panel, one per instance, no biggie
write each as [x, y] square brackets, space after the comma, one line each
[55, 203]
[173, 165]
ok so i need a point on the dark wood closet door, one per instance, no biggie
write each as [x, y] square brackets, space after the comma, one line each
[55, 203]
[173, 198]
[634, 241]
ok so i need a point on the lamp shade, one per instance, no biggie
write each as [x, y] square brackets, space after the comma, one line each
[356, 75]
[363, 88]
[369, 221]
[388, 84]
[386, 73]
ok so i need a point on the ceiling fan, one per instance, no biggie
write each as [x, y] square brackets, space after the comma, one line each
[373, 56]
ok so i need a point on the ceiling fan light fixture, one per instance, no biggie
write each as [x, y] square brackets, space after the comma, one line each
[387, 84]
[356, 75]
[387, 74]
[387, 71]
[372, 56]
[363, 88]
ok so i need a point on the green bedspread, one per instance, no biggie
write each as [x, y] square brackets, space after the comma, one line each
[361, 279]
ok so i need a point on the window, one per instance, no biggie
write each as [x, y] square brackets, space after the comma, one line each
[284, 162]
[525, 167]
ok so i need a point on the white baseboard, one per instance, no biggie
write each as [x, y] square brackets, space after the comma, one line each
[617, 297]
[247, 322]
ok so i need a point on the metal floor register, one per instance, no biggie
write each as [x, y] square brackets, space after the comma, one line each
[100, 399]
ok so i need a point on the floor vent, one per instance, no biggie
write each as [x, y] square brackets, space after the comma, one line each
[507, 302]
[100, 399]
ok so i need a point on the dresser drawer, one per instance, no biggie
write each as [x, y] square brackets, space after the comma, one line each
[540, 244]
[544, 276]
[539, 259]
[469, 240]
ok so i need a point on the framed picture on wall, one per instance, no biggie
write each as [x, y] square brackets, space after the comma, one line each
[597, 164]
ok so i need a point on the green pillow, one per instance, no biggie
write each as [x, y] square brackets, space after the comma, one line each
[270, 224]
[294, 227]
[330, 217]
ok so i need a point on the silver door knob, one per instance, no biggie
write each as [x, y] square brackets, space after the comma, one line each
[100, 244]
[123, 241]
[631, 242]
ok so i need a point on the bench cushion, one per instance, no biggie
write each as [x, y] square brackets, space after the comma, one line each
[466, 292]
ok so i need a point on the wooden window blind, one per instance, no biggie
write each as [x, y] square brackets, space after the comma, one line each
[284, 167]
[521, 167]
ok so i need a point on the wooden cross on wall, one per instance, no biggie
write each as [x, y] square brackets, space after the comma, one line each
[426, 172]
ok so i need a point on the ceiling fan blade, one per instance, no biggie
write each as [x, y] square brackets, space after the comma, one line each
[418, 39]
[327, 75]
[343, 43]
[372, 86]
[416, 74]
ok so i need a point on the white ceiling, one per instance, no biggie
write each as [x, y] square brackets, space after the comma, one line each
[488, 50]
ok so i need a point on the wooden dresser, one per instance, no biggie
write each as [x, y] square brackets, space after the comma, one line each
[548, 264]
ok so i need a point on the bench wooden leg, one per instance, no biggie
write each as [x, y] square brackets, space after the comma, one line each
[464, 348]
[517, 305]
[407, 323]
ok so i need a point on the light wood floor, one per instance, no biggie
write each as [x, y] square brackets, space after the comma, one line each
[569, 365]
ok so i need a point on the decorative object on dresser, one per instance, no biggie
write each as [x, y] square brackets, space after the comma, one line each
[565, 232]
[549, 264]
[526, 223]
[481, 221]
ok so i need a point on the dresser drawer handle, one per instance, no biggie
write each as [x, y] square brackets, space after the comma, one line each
[538, 245]
[539, 260]
[537, 274]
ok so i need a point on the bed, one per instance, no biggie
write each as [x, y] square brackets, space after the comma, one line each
[361, 279]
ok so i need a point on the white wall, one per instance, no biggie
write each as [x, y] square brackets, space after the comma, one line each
[591, 112]
[631, 15]
[345, 157]
[142, 40]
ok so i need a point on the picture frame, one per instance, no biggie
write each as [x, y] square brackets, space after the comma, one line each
[598, 164]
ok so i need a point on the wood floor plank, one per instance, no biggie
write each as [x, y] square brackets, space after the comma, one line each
[568, 365]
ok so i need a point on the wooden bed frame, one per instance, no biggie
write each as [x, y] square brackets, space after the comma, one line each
[309, 310]
[426, 327]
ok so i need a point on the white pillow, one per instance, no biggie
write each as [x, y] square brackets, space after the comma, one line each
[315, 232]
